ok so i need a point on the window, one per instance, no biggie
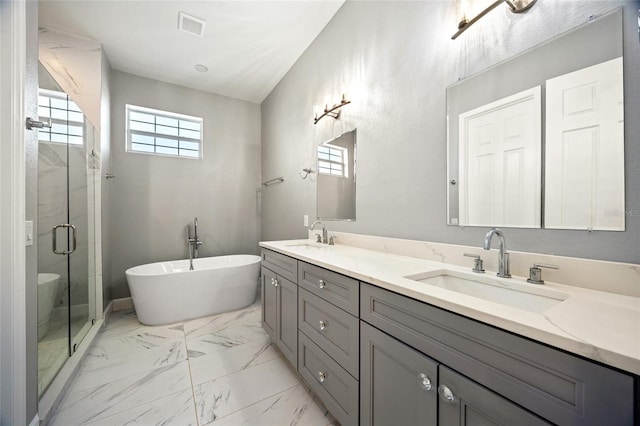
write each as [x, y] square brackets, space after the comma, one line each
[67, 120]
[165, 133]
[332, 161]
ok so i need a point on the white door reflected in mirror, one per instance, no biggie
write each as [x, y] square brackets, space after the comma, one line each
[500, 150]
[584, 159]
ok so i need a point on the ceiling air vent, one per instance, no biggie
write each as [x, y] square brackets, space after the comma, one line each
[191, 24]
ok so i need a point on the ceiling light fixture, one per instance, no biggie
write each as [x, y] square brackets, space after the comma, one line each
[201, 68]
[516, 6]
[331, 112]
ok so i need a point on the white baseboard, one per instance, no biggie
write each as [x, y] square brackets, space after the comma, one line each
[124, 304]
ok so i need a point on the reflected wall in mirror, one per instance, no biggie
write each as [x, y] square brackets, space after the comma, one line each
[336, 184]
[494, 159]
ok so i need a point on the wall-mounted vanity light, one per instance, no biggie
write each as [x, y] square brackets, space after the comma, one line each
[516, 6]
[331, 112]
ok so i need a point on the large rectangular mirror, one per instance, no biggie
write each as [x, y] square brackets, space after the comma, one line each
[336, 184]
[537, 140]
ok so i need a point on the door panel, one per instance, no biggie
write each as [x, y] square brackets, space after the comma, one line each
[287, 324]
[397, 383]
[500, 149]
[269, 303]
[464, 402]
[584, 162]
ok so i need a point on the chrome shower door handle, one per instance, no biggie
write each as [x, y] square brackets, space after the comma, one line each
[55, 237]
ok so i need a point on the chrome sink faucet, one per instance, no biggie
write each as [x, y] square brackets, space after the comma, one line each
[325, 234]
[503, 259]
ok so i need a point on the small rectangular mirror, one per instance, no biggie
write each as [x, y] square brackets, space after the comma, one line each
[336, 184]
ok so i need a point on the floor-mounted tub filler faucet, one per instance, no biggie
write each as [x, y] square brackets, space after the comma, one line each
[193, 242]
[503, 259]
[325, 234]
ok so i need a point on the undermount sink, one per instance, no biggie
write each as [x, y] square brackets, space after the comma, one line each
[508, 292]
[307, 245]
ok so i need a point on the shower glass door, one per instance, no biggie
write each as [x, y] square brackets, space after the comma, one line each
[66, 287]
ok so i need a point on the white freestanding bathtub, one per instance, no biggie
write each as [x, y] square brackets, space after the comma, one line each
[47, 291]
[168, 292]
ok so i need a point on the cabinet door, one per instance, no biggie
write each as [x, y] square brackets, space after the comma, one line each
[269, 303]
[397, 383]
[287, 319]
[464, 402]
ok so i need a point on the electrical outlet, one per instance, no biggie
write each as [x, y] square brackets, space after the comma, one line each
[306, 220]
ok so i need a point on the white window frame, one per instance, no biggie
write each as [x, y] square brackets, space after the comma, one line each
[71, 108]
[343, 163]
[130, 133]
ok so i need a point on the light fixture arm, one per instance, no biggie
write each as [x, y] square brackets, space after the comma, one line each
[516, 6]
[331, 112]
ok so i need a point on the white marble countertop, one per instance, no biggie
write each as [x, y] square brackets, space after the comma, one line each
[601, 326]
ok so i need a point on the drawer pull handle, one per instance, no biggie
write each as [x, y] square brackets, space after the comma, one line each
[322, 376]
[323, 325]
[272, 280]
[275, 282]
[446, 394]
[425, 382]
[321, 283]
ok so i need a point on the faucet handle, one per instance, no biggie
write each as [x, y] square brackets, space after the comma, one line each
[535, 272]
[477, 263]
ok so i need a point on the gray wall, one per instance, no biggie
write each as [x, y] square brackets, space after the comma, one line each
[394, 61]
[154, 198]
[105, 167]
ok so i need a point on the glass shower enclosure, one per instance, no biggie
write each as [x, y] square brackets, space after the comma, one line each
[66, 259]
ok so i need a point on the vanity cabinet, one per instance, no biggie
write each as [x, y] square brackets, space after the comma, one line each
[400, 385]
[376, 357]
[280, 302]
[488, 371]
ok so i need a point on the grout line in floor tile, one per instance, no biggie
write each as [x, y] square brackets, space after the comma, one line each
[247, 407]
[193, 392]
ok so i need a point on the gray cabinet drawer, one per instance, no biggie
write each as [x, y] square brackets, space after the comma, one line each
[335, 288]
[282, 265]
[560, 387]
[333, 329]
[335, 387]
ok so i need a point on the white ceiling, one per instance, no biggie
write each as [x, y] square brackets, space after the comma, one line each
[248, 46]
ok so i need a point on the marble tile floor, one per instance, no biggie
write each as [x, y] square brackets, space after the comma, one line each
[53, 349]
[217, 370]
